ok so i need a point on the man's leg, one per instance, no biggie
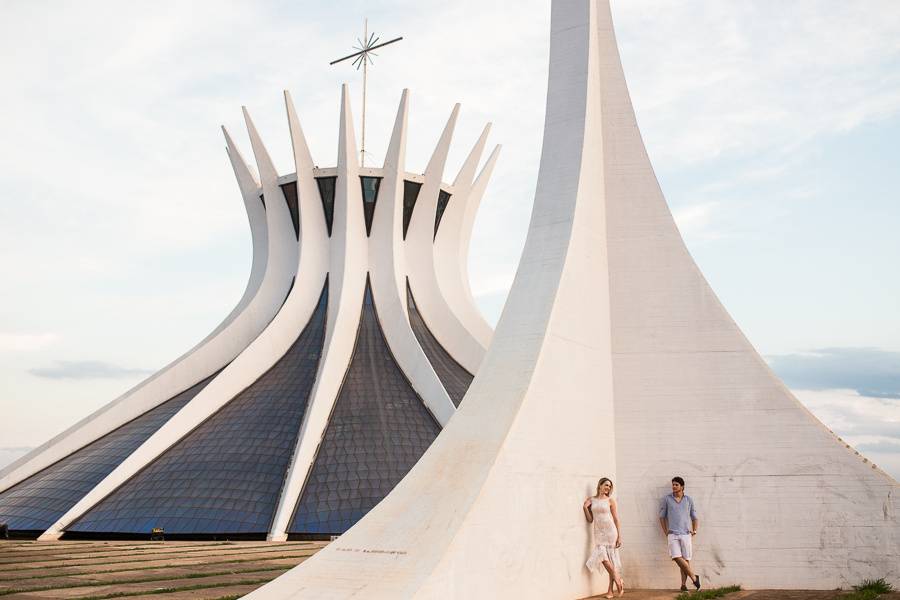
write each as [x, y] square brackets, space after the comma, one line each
[685, 567]
[682, 556]
[675, 553]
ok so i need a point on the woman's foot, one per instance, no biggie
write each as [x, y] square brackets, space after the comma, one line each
[621, 585]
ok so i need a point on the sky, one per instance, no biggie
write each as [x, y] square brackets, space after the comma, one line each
[772, 127]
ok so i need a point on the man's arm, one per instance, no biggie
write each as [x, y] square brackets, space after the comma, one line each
[663, 514]
[695, 522]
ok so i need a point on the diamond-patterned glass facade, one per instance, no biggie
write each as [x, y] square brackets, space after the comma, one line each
[37, 502]
[290, 196]
[326, 190]
[453, 375]
[370, 187]
[378, 429]
[410, 195]
[225, 476]
[443, 201]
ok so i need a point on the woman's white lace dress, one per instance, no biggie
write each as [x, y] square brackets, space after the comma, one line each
[603, 536]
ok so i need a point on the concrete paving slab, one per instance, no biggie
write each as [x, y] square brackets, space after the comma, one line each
[72, 593]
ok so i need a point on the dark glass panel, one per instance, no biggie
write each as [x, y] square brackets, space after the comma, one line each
[262, 199]
[378, 429]
[443, 201]
[410, 195]
[234, 463]
[326, 190]
[370, 187]
[36, 503]
[290, 196]
[453, 375]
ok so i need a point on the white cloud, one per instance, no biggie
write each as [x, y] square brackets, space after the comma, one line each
[694, 221]
[738, 77]
[871, 425]
[26, 342]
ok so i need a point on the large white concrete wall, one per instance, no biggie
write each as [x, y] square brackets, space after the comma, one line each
[612, 357]
[782, 502]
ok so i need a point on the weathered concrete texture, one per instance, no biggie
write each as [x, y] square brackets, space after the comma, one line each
[68, 570]
[783, 502]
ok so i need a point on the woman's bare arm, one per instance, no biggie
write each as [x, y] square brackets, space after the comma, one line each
[615, 517]
[586, 507]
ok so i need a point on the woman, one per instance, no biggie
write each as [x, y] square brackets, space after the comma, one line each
[601, 511]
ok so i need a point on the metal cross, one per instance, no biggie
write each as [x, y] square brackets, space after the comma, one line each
[363, 56]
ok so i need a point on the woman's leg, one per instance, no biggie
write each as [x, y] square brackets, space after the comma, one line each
[612, 577]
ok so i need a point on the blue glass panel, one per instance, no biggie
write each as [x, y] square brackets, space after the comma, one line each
[453, 375]
[370, 187]
[234, 463]
[378, 429]
[37, 502]
[410, 195]
[326, 190]
[290, 196]
[443, 201]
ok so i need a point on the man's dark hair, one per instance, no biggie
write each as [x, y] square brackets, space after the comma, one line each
[678, 480]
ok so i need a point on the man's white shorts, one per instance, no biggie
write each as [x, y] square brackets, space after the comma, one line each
[680, 546]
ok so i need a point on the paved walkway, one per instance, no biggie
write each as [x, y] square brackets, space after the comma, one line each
[78, 570]
[86, 570]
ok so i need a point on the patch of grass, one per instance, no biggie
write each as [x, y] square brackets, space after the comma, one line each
[861, 595]
[879, 586]
[94, 583]
[708, 594]
[869, 589]
[173, 590]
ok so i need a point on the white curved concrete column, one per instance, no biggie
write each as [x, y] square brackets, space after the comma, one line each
[243, 370]
[347, 281]
[493, 508]
[451, 245]
[387, 269]
[441, 320]
[250, 188]
[313, 259]
[266, 288]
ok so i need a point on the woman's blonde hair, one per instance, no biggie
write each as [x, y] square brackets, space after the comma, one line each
[602, 481]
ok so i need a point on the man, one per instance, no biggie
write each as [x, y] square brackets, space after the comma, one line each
[679, 524]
